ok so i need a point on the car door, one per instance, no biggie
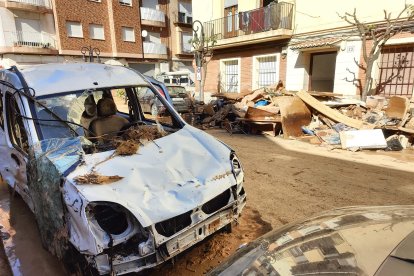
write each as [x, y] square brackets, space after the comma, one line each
[14, 147]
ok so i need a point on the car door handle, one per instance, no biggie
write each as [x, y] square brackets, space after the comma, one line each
[15, 158]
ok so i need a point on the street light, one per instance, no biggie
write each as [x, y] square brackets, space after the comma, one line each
[90, 52]
[199, 53]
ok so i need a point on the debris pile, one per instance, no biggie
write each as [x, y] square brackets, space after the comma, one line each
[95, 178]
[318, 117]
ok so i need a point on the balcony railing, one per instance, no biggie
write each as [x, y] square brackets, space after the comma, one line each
[38, 3]
[152, 15]
[154, 48]
[29, 39]
[273, 17]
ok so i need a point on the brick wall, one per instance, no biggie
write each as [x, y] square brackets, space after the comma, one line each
[126, 16]
[246, 67]
[86, 12]
[90, 12]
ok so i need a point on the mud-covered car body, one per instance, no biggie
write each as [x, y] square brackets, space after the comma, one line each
[360, 240]
[175, 191]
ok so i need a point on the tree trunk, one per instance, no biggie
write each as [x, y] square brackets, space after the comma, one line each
[368, 80]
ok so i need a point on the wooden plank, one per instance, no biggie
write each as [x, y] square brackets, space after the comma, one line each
[253, 114]
[332, 113]
[294, 114]
[316, 94]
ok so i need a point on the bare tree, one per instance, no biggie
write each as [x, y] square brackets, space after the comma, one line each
[378, 35]
[203, 46]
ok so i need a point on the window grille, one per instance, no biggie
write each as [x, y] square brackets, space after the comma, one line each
[231, 76]
[396, 67]
[266, 71]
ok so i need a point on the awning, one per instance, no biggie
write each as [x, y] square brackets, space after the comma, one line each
[318, 43]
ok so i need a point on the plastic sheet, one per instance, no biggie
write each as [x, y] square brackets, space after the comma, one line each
[49, 161]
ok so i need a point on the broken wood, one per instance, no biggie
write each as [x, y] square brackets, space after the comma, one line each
[397, 107]
[314, 93]
[294, 114]
[95, 178]
[332, 113]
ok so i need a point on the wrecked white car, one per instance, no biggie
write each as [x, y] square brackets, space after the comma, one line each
[114, 189]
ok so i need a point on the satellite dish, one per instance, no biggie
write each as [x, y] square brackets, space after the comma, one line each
[144, 33]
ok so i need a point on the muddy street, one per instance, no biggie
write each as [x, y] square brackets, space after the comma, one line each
[285, 181]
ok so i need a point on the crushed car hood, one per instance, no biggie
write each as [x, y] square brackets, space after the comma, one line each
[166, 178]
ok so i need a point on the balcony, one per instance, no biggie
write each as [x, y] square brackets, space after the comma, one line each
[152, 17]
[155, 50]
[42, 6]
[29, 43]
[274, 22]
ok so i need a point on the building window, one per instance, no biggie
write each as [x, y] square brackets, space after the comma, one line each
[396, 71]
[125, 2]
[185, 42]
[74, 29]
[128, 34]
[230, 75]
[265, 71]
[185, 14]
[96, 31]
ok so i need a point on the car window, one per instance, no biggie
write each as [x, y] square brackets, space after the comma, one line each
[17, 132]
[153, 108]
[77, 109]
[1, 111]
[121, 99]
[175, 90]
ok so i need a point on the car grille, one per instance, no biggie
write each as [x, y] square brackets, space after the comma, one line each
[216, 203]
[169, 227]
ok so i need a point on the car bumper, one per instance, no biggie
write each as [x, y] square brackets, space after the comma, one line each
[122, 263]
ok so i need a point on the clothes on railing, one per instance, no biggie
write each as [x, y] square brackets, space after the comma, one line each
[272, 17]
[275, 11]
[257, 20]
[260, 20]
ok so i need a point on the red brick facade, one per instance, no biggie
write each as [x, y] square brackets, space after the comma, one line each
[246, 67]
[91, 12]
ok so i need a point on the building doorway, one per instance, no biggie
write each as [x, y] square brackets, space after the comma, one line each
[231, 21]
[322, 72]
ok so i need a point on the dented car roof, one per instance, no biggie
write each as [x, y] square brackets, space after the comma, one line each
[48, 79]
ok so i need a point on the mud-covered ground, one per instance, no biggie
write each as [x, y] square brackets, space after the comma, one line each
[286, 181]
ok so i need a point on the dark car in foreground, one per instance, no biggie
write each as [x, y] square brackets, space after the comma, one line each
[377, 240]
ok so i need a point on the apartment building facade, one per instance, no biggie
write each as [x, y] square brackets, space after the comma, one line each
[27, 32]
[304, 44]
[137, 33]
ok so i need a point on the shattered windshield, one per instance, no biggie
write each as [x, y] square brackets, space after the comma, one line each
[89, 113]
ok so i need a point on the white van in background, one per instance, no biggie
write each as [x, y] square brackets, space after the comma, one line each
[182, 78]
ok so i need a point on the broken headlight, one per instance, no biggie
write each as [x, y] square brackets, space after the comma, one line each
[236, 168]
[113, 220]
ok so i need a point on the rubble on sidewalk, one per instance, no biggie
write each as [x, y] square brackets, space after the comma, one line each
[316, 117]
